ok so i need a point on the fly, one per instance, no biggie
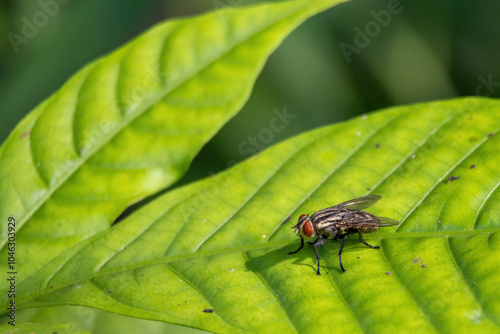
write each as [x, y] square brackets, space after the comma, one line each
[337, 222]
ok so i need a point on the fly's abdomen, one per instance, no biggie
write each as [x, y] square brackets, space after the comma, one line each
[367, 229]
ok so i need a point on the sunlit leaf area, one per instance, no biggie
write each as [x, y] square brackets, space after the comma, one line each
[157, 157]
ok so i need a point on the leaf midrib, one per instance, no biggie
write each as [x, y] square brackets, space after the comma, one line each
[244, 248]
[149, 102]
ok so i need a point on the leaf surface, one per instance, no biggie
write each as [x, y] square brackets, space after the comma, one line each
[222, 243]
[21, 328]
[129, 124]
[94, 321]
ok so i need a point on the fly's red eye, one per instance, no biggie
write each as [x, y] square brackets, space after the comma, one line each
[308, 228]
[302, 216]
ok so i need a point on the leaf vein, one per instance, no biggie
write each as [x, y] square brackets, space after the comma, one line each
[441, 180]
[453, 258]
[482, 205]
[191, 284]
[252, 196]
[148, 104]
[260, 246]
[266, 284]
[344, 301]
[407, 289]
[332, 172]
[409, 155]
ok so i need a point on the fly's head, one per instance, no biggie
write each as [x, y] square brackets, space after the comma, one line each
[304, 227]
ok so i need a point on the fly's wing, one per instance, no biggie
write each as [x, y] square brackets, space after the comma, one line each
[360, 203]
[384, 221]
[358, 219]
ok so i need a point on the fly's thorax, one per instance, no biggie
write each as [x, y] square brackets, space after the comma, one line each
[328, 214]
[327, 229]
[325, 221]
[325, 224]
[331, 232]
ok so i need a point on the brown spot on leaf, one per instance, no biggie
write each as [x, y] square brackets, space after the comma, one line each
[25, 134]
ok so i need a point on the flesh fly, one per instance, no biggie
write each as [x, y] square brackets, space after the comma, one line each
[337, 222]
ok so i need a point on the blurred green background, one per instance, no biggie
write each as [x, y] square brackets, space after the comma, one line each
[429, 50]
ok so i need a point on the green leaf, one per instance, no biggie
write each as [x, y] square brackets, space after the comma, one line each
[129, 124]
[25, 327]
[221, 243]
[98, 322]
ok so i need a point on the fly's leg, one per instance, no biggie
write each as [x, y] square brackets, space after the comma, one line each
[316, 245]
[313, 242]
[301, 246]
[367, 244]
[340, 253]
